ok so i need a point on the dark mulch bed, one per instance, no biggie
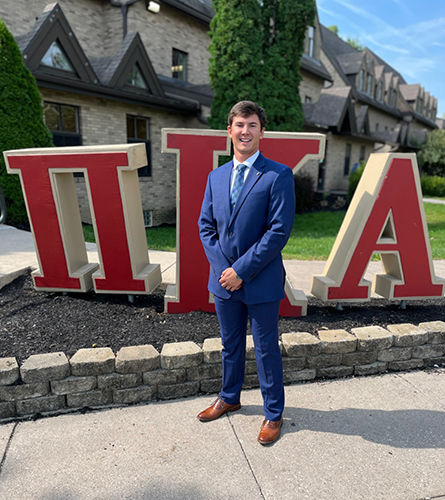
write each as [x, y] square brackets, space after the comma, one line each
[33, 322]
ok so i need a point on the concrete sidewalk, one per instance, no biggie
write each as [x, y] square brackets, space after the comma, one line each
[366, 438]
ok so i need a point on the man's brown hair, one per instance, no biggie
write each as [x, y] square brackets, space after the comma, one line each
[245, 109]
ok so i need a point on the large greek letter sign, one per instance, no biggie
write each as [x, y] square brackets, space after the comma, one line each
[115, 203]
[197, 154]
[386, 216]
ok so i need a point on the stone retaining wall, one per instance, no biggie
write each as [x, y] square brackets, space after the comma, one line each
[51, 383]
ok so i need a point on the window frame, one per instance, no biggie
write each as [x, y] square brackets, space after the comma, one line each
[147, 170]
[59, 135]
[180, 75]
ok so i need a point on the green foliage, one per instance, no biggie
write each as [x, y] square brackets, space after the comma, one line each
[334, 29]
[304, 191]
[21, 119]
[432, 154]
[353, 42]
[354, 179]
[255, 54]
[433, 185]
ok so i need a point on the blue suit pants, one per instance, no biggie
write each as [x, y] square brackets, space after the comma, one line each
[233, 315]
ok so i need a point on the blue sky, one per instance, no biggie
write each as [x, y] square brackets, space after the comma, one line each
[407, 34]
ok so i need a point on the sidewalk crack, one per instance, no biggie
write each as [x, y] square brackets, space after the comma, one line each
[8, 444]
[247, 459]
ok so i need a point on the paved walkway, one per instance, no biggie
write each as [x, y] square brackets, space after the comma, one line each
[369, 438]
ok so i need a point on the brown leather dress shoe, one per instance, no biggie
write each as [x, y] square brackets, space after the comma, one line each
[218, 408]
[270, 431]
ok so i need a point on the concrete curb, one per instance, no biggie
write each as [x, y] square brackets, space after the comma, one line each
[51, 383]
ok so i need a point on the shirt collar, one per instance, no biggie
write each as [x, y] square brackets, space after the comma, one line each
[249, 162]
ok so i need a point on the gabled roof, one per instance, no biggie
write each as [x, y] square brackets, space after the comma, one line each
[315, 67]
[363, 121]
[113, 71]
[351, 62]
[105, 77]
[332, 110]
[53, 26]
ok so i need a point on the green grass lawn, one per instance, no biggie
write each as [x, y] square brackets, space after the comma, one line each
[312, 237]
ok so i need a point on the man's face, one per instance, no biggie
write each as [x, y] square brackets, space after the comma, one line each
[245, 133]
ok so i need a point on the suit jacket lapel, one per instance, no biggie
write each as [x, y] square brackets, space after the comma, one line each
[254, 175]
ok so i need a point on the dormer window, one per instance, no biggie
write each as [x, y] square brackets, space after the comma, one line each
[311, 41]
[380, 91]
[135, 78]
[362, 80]
[369, 85]
[56, 58]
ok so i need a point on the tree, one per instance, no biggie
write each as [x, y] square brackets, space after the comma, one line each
[432, 154]
[21, 119]
[353, 42]
[255, 54]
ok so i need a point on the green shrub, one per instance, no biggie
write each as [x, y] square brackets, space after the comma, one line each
[433, 185]
[21, 119]
[304, 191]
[354, 179]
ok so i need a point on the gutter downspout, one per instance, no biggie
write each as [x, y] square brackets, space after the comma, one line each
[124, 10]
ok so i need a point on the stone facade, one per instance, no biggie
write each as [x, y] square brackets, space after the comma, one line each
[51, 383]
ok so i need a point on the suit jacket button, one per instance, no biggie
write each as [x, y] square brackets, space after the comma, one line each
[230, 234]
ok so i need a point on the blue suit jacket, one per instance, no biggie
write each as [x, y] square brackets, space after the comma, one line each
[249, 239]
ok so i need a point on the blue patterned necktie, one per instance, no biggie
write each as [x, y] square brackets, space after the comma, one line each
[238, 184]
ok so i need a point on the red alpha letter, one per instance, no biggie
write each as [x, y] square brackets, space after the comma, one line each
[192, 270]
[386, 216]
[111, 178]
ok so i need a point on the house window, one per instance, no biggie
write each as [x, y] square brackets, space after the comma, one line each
[179, 65]
[138, 130]
[56, 58]
[362, 153]
[311, 41]
[347, 159]
[380, 91]
[135, 78]
[307, 99]
[63, 121]
[369, 84]
[362, 79]
[376, 127]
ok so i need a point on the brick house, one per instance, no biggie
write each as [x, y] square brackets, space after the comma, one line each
[112, 72]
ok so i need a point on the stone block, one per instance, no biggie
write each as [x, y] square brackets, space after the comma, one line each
[119, 381]
[293, 364]
[337, 341]
[410, 364]
[250, 348]
[46, 404]
[359, 358]
[205, 371]
[91, 398]
[436, 331]
[299, 376]
[137, 359]
[372, 369]
[372, 338]
[429, 351]
[24, 391]
[165, 377]
[335, 372]
[434, 362]
[212, 350]
[178, 391]
[395, 354]
[133, 395]
[251, 381]
[94, 362]
[180, 355]
[7, 409]
[210, 386]
[408, 335]
[45, 367]
[71, 385]
[9, 371]
[299, 344]
[323, 361]
[251, 368]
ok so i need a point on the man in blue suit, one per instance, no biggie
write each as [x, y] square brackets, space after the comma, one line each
[246, 219]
